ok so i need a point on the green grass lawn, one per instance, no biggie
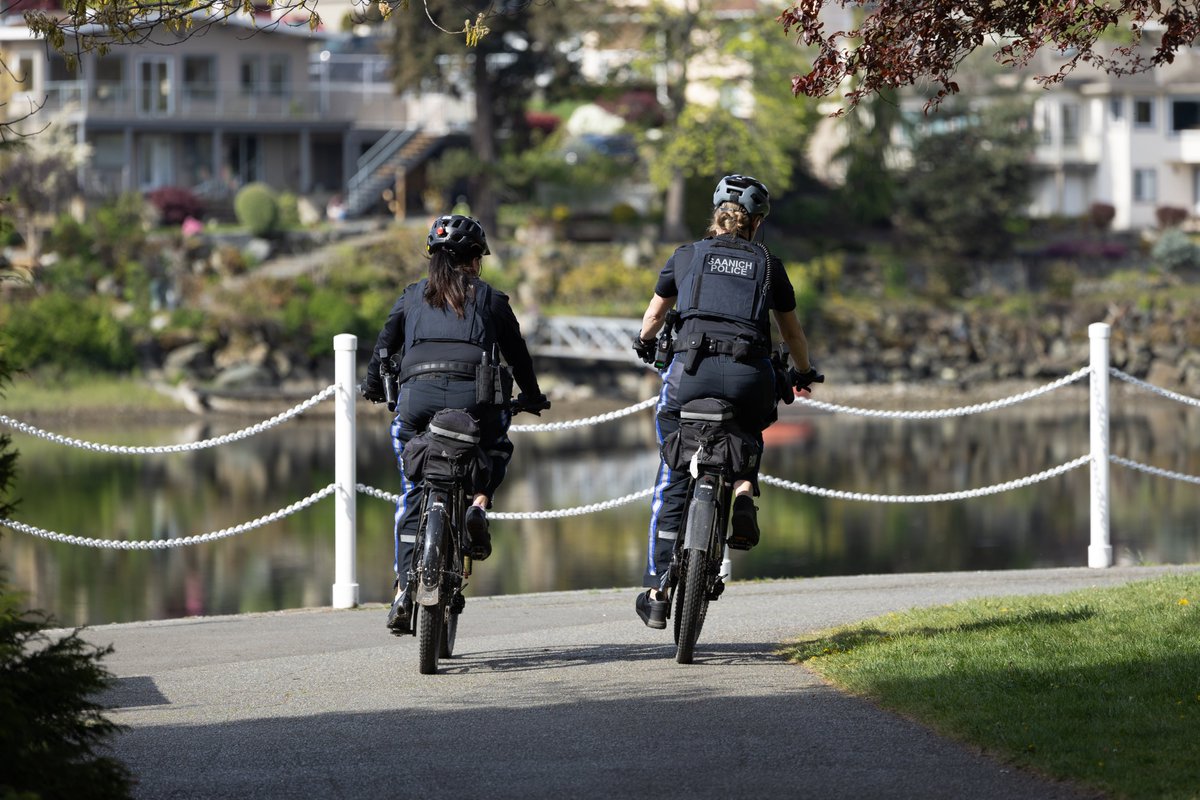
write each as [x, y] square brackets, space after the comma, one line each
[53, 393]
[1100, 687]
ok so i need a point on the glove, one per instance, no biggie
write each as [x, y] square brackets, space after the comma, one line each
[371, 390]
[534, 405]
[644, 348]
[803, 380]
[783, 387]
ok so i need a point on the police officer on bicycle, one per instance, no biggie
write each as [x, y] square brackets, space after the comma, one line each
[725, 287]
[446, 333]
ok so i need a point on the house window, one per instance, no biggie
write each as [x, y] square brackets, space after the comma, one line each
[1185, 115]
[251, 74]
[1145, 185]
[200, 77]
[108, 83]
[271, 75]
[154, 91]
[278, 75]
[1116, 108]
[58, 70]
[1044, 124]
[1070, 123]
[23, 75]
[1143, 113]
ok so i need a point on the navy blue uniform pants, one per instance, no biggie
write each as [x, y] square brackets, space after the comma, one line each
[419, 400]
[750, 386]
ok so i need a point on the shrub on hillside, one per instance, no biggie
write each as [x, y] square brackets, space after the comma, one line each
[1170, 216]
[1175, 251]
[67, 331]
[175, 204]
[257, 209]
[289, 210]
[1102, 215]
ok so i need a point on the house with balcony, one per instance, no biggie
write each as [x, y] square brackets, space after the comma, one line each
[230, 103]
[1131, 141]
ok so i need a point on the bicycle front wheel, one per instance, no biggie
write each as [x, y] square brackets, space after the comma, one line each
[694, 605]
[429, 633]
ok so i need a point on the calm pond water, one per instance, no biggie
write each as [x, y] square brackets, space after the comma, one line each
[290, 563]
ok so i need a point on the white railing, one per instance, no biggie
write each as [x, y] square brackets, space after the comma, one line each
[345, 487]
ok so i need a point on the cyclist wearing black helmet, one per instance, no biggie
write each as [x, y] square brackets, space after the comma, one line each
[727, 287]
[446, 333]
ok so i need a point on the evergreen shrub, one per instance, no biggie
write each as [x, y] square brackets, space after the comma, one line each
[257, 209]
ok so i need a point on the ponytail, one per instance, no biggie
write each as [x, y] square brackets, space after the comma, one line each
[448, 284]
[730, 218]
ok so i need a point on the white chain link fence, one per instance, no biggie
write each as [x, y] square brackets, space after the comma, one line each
[331, 390]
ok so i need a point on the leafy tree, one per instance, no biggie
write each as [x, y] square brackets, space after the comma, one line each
[966, 194]
[707, 143]
[900, 43]
[702, 143]
[41, 174]
[523, 48]
[868, 196]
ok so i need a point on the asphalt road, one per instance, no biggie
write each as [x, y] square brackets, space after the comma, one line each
[549, 695]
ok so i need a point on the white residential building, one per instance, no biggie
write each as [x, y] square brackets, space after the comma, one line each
[1132, 142]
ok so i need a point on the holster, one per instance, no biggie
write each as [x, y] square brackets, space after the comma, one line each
[485, 382]
[695, 347]
[493, 382]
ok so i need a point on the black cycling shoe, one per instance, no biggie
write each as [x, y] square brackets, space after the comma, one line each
[744, 523]
[477, 529]
[652, 612]
[399, 619]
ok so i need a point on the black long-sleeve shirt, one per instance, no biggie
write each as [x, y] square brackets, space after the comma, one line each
[508, 337]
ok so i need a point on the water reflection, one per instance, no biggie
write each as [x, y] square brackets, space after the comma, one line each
[290, 563]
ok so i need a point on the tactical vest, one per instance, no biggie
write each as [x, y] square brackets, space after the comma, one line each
[423, 323]
[726, 279]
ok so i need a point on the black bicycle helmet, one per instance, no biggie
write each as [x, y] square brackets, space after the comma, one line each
[462, 236]
[747, 192]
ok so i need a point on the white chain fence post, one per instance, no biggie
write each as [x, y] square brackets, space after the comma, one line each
[345, 587]
[1100, 550]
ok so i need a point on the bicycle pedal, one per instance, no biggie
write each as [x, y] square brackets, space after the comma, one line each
[457, 603]
[715, 592]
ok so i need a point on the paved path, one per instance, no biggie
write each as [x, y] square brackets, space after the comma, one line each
[552, 695]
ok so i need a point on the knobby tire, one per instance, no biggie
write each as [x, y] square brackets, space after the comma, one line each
[432, 618]
[449, 633]
[695, 605]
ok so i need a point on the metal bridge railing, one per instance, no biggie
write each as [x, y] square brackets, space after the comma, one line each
[345, 487]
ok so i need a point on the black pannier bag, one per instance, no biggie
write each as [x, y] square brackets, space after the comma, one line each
[708, 434]
[448, 450]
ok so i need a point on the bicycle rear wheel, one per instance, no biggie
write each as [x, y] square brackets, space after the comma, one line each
[449, 633]
[691, 602]
[431, 624]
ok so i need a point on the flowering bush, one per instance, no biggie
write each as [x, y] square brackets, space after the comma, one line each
[175, 204]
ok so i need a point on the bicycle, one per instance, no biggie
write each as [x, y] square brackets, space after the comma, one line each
[447, 457]
[706, 445]
[713, 450]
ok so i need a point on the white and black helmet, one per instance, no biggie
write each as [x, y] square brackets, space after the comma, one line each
[749, 193]
[462, 236]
